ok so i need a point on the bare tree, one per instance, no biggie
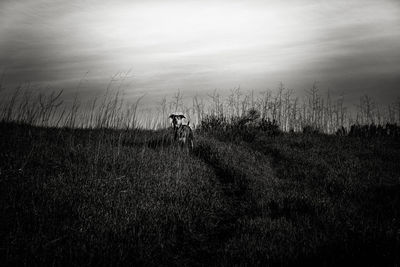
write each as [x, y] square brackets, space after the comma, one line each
[198, 107]
[48, 105]
[163, 111]
[177, 101]
[366, 109]
[216, 104]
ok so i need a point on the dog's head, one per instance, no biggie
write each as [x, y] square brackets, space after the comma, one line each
[176, 120]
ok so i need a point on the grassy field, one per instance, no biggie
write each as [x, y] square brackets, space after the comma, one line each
[114, 197]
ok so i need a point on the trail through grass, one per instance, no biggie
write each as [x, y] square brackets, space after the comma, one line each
[113, 197]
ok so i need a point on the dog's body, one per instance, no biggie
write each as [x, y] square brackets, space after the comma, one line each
[183, 134]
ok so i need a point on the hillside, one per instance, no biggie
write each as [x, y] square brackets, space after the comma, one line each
[120, 197]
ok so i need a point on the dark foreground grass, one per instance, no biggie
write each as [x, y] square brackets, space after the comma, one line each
[102, 197]
[78, 198]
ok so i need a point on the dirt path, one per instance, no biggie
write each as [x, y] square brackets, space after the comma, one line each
[242, 175]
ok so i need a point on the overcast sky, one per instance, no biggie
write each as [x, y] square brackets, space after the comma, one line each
[196, 46]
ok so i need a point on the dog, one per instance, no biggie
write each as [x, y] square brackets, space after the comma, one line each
[183, 134]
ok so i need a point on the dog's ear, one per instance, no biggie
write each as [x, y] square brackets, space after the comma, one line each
[172, 116]
[182, 117]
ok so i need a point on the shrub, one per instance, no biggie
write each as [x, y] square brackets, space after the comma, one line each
[310, 129]
[372, 130]
[246, 127]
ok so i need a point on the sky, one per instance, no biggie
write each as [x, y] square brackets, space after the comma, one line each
[348, 46]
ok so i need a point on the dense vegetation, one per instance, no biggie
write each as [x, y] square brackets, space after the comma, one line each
[290, 110]
[86, 184]
[247, 194]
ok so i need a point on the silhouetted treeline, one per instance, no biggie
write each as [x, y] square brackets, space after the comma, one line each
[372, 130]
[247, 126]
[243, 127]
[313, 112]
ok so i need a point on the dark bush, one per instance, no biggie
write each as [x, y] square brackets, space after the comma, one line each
[373, 130]
[269, 127]
[310, 129]
[245, 127]
[341, 131]
[213, 123]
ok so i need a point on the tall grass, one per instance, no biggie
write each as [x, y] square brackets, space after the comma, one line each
[93, 183]
[315, 111]
[116, 197]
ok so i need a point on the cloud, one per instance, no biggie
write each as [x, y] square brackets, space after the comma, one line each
[200, 46]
